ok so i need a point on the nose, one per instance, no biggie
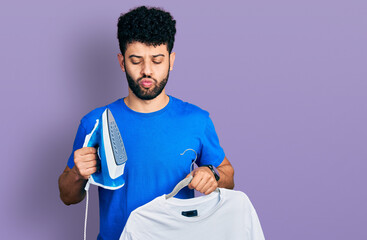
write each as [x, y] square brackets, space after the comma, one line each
[147, 69]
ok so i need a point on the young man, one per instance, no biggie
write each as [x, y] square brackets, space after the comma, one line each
[156, 128]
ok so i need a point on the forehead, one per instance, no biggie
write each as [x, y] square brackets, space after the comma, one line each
[142, 49]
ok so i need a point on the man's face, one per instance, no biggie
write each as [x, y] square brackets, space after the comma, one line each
[147, 68]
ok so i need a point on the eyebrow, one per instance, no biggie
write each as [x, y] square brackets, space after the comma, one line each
[158, 55]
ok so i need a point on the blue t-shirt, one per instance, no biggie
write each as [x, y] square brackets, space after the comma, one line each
[153, 143]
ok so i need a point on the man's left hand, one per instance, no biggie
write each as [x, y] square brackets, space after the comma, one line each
[203, 181]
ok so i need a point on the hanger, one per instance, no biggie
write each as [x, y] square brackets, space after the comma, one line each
[186, 181]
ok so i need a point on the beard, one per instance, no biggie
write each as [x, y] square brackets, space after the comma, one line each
[143, 93]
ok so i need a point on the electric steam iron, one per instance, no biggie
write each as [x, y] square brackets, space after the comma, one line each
[111, 151]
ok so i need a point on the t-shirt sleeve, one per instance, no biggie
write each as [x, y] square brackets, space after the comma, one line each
[78, 143]
[126, 235]
[211, 151]
[256, 230]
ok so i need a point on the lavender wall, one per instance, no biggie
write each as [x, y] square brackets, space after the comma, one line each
[284, 81]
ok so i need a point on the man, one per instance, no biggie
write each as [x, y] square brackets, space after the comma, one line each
[156, 128]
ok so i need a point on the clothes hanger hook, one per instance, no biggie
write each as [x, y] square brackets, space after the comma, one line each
[196, 156]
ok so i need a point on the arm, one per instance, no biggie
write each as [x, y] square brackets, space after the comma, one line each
[204, 180]
[72, 181]
[226, 173]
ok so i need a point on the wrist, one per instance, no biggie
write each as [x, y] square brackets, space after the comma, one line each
[77, 176]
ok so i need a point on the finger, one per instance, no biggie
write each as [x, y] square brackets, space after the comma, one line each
[86, 150]
[85, 158]
[89, 157]
[89, 164]
[195, 181]
[82, 166]
[91, 170]
[201, 177]
[188, 175]
[87, 172]
[210, 190]
[207, 183]
[210, 186]
[202, 184]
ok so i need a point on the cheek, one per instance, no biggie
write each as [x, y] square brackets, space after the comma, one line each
[133, 70]
[162, 70]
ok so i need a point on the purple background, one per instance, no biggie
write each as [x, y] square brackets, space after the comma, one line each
[284, 81]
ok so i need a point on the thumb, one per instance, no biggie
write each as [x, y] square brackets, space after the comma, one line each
[189, 186]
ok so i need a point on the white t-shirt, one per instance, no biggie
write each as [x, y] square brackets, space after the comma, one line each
[223, 215]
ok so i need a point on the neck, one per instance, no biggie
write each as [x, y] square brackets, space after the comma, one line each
[146, 106]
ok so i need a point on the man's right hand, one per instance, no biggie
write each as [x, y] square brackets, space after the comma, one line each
[85, 160]
[72, 181]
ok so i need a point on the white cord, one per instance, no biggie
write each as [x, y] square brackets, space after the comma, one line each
[86, 210]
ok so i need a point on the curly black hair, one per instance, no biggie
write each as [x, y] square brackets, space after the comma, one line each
[152, 26]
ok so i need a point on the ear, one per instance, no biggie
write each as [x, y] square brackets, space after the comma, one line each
[172, 57]
[120, 58]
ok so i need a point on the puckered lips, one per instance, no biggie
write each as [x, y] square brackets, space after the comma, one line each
[146, 82]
